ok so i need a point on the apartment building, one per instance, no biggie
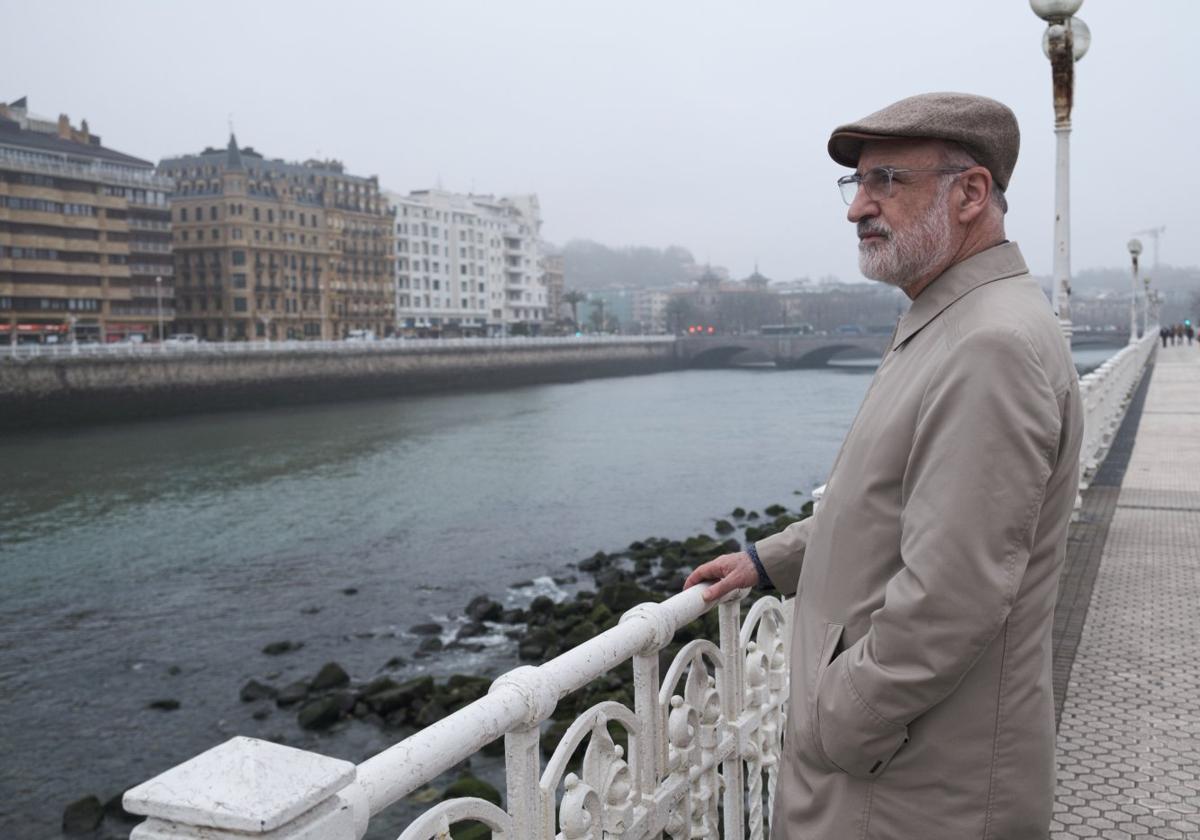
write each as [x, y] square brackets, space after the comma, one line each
[468, 264]
[267, 249]
[85, 241]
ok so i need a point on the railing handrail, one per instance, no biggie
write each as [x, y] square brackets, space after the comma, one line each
[716, 738]
[524, 696]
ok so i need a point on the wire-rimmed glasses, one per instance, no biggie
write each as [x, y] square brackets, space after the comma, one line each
[878, 181]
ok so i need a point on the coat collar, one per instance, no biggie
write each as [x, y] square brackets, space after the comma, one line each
[996, 263]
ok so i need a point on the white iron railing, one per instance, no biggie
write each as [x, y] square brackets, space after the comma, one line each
[1106, 392]
[386, 345]
[704, 749]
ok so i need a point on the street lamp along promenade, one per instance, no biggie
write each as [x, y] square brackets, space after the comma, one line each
[1065, 41]
[1146, 307]
[158, 290]
[1135, 249]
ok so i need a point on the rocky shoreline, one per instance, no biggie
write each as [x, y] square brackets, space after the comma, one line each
[651, 569]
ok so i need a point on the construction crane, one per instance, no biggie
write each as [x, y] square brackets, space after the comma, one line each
[1153, 232]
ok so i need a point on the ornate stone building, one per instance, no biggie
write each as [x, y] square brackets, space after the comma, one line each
[270, 249]
[85, 244]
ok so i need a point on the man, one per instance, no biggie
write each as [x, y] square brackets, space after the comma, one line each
[921, 704]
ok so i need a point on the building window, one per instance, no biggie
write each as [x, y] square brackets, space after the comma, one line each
[239, 258]
[240, 305]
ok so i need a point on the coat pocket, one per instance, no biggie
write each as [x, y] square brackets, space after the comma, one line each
[831, 646]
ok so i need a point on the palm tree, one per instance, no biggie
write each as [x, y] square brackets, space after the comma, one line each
[574, 298]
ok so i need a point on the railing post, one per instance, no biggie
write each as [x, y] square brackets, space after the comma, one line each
[247, 788]
[732, 704]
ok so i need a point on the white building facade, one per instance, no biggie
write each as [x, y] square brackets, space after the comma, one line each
[468, 264]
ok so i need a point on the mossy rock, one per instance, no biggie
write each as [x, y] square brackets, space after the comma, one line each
[331, 675]
[723, 526]
[775, 510]
[463, 689]
[594, 563]
[738, 513]
[580, 633]
[320, 714]
[553, 734]
[619, 597]
[468, 785]
[599, 615]
[470, 830]
[464, 786]
[541, 605]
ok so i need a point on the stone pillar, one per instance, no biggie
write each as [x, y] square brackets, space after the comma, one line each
[247, 788]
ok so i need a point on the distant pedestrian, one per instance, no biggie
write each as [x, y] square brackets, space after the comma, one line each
[1189, 332]
[1178, 336]
[1164, 333]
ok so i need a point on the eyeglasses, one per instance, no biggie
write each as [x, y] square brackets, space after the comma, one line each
[878, 181]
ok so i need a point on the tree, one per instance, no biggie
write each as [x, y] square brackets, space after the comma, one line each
[574, 298]
[679, 311]
[596, 319]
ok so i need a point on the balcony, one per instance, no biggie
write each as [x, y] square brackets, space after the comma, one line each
[147, 247]
[152, 269]
[152, 292]
[138, 223]
[95, 171]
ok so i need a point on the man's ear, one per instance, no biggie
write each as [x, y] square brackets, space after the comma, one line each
[976, 187]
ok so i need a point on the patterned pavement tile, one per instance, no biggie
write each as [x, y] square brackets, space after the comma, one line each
[1129, 733]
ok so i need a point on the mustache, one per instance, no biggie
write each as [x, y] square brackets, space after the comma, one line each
[873, 227]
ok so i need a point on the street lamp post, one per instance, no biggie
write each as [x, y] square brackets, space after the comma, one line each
[1135, 248]
[1146, 307]
[1065, 42]
[158, 289]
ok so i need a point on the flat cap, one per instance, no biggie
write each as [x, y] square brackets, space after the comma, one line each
[987, 129]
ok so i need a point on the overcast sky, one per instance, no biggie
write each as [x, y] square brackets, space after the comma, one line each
[653, 122]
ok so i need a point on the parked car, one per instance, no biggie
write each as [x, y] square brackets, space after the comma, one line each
[182, 338]
[360, 335]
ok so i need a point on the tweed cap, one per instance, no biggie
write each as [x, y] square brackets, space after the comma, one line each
[987, 129]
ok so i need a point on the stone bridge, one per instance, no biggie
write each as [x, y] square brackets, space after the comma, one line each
[815, 350]
[783, 350]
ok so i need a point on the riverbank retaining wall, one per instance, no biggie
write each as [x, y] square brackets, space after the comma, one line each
[40, 392]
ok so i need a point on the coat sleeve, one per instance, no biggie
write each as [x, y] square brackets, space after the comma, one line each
[985, 443]
[782, 555]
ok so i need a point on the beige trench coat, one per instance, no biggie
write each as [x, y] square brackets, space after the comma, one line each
[921, 703]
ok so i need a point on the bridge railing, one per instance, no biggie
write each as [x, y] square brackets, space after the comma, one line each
[1106, 392]
[386, 345]
[705, 739]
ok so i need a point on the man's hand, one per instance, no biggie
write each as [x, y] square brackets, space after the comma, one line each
[730, 571]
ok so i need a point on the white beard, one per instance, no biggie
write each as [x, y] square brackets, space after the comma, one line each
[908, 255]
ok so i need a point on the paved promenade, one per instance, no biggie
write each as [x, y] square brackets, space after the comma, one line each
[1129, 733]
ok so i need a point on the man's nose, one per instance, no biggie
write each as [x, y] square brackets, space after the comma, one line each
[862, 207]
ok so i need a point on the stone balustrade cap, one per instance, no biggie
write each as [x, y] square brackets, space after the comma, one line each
[244, 784]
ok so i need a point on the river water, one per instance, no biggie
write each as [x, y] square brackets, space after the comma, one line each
[155, 560]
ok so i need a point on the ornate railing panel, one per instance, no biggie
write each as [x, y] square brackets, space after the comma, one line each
[1106, 392]
[704, 744]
